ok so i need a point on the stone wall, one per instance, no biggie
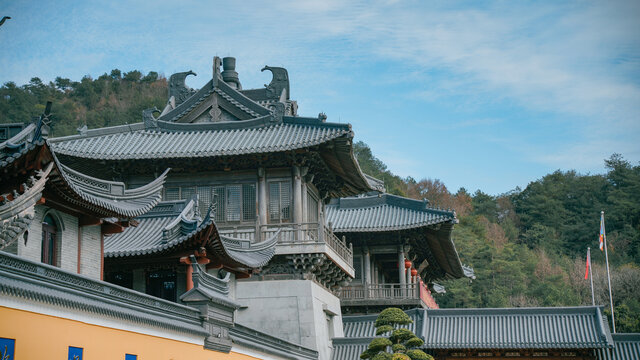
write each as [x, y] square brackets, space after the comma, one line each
[299, 311]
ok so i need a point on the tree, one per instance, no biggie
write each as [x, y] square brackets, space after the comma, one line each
[403, 342]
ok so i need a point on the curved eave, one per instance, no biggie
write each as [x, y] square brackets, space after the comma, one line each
[439, 245]
[341, 160]
[98, 197]
[200, 236]
[251, 256]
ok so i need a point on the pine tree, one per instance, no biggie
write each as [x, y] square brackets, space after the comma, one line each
[403, 342]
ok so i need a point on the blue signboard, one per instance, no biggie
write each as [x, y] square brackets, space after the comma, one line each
[7, 349]
[75, 353]
[130, 357]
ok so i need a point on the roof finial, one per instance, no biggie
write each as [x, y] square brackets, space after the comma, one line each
[229, 73]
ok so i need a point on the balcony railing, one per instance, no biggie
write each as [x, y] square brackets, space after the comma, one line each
[379, 291]
[389, 292]
[293, 234]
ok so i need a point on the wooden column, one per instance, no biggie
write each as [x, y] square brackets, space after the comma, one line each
[401, 275]
[305, 205]
[367, 270]
[297, 195]
[263, 209]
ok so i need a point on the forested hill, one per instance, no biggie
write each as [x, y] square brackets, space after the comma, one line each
[111, 99]
[527, 247]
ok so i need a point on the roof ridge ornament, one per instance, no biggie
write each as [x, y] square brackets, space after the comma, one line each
[279, 82]
[150, 121]
[177, 87]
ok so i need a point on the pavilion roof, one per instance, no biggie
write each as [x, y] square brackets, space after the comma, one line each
[177, 140]
[433, 251]
[27, 156]
[509, 328]
[173, 226]
[383, 212]
[219, 120]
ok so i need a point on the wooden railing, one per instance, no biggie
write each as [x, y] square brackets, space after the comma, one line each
[291, 233]
[379, 291]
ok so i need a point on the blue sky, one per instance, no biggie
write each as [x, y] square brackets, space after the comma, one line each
[482, 95]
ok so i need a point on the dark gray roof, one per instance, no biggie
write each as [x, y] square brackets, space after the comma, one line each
[435, 254]
[163, 227]
[363, 326]
[97, 197]
[175, 140]
[111, 198]
[509, 328]
[173, 224]
[532, 328]
[383, 212]
[627, 347]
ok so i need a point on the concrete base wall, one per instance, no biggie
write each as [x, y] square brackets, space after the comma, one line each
[299, 311]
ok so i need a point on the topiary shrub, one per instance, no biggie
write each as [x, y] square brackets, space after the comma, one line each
[400, 339]
[418, 355]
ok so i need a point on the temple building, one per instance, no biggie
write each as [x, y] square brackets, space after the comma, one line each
[401, 248]
[268, 174]
[58, 225]
[225, 225]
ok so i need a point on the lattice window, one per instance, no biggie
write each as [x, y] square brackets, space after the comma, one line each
[187, 192]
[172, 193]
[357, 266]
[248, 202]
[312, 207]
[279, 201]
[204, 199]
[219, 199]
[234, 202]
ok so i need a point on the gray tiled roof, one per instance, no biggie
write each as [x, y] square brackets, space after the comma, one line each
[173, 140]
[172, 224]
[627, 347]
[509, 328]
[384, 212]
[145, 238]
[111, 198]
[94, 196]
[363, 326]
[532, 328]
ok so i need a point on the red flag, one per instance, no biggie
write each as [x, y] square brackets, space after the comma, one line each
[602, 233]
[586, 272]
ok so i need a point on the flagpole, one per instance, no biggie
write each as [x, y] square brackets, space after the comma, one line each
[606, 256]
[593, 298]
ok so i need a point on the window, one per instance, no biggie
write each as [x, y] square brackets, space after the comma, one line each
[162, 284]
[279, 201]
[312, 207]
[357, 266]
[49, 241]
[121, 278]
[234, 203]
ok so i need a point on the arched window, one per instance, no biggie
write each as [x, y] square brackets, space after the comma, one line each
[49, 241]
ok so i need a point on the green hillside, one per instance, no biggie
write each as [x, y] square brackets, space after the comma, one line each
[527, 246]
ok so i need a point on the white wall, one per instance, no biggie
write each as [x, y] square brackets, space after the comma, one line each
[295, 310]
[67, 251]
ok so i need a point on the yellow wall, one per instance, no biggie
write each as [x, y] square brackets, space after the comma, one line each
[48, 337]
